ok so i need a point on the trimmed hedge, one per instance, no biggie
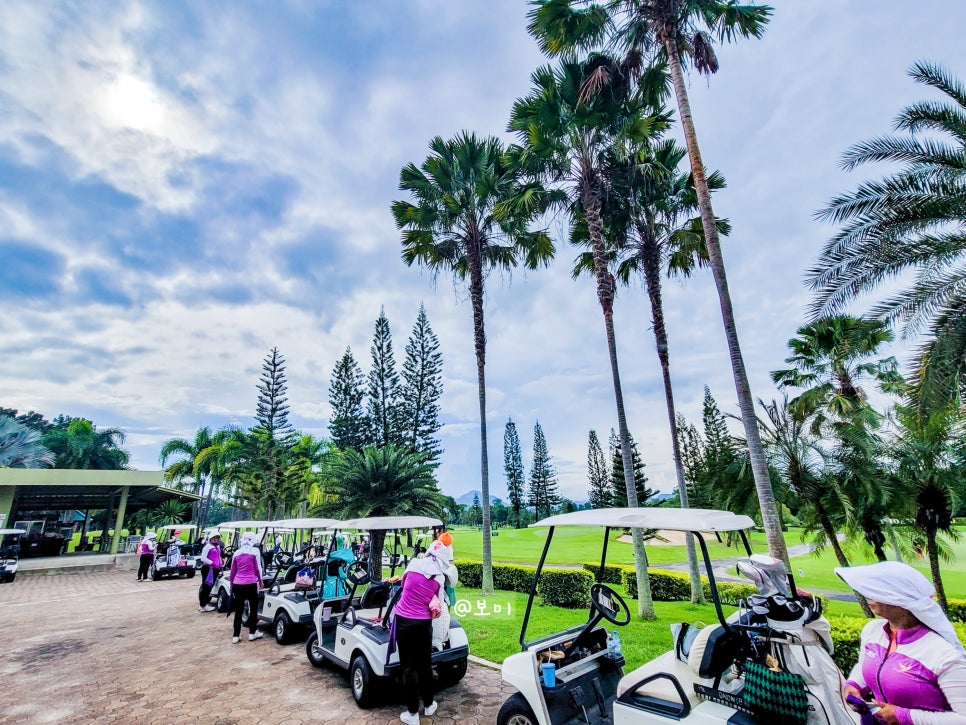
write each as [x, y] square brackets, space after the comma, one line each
[675, 586]
[513, 578]
[957, 610]
[612, 572]
[565, 587]
[846, 635]
[471, 573]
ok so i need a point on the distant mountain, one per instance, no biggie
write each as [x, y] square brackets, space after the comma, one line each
[467, 498]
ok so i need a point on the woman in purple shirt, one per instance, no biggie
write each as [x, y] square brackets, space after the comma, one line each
[912, 667]
[245, 579]
[413, 627]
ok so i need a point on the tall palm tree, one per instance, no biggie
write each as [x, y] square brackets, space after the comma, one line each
[21, 447]
[386, 481]
[677, 33]
[649, 212]
[831, 360]
[470, 215]
[929, 468]
[186, 466]
[913, 220]
[567, 137]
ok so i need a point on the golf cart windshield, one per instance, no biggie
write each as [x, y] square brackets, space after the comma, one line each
[693, 521]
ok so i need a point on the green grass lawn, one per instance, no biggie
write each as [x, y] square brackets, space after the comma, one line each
[576, 545]
[497, 635]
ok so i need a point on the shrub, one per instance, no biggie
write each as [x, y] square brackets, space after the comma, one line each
[957, 610]
[512, 578]
[471, 573]
[612, 572]
[666, 586]
[565, 587]
[846, 634]
[729, 593]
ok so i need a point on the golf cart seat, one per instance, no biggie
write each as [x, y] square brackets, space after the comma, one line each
[376, 596]
[666, 684]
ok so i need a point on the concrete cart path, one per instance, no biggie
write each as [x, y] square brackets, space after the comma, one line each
[101, 647]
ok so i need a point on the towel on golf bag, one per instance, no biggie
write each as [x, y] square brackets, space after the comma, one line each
[775, 695]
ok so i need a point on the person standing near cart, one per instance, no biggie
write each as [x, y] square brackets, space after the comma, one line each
[146, 549]
[245, 578]
[418, 605]
[211, 567]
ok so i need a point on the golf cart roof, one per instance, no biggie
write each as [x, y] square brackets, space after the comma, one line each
[669, 519]
[309, 523]
[384, 523]
[177, 527]
[232, 525]
[11, 532]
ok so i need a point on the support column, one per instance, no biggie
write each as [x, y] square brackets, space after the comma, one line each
[102, 546]
[119, 521]
[6, 506]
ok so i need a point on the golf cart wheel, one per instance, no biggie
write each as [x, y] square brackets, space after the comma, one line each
[362, 682]
[283, 628]
[155, 575]
[452, 672]
[191, 574]
[221, 604]
[516, 711]
[313, 650]
[8, 578]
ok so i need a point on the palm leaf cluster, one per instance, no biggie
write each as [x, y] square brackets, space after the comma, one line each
[910, 226]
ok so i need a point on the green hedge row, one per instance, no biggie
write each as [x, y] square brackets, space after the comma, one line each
[675, 586]
[558, 587]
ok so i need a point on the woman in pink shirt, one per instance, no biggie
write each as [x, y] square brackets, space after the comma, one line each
[245, 579]
[146, 549]
[418, 605]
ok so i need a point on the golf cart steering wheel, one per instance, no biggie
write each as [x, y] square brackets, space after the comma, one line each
[601, 596]
[357, 573]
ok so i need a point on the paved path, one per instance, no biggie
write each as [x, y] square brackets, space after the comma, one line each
[101, 647]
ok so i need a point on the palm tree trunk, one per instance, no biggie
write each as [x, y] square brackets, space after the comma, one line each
[937, 580]
[651, 256]
[605, 293]
[832, 536]
[479, 338]
[756, 452]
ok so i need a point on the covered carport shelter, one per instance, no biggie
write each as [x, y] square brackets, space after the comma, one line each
[59, 489]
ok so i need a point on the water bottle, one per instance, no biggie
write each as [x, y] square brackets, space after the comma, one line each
[610, 645]
[615, 648]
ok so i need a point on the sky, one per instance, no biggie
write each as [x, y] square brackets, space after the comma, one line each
[184, 186]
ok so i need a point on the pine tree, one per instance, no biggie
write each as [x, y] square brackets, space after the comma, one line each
[476, 511]
[543, 479]
[384, 404]
[272, 432]
[349, 425]
[513, 468]
[598, 477]
[422, 386]
[692, 459]
[617, 484]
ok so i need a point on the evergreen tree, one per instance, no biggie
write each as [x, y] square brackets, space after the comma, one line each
[543, 479]
[384, 388]
[599, 493]
[422, 386]
[721, 451]
[692, 458]
[272, 432]
[476, 511]
[349, 425]
[617, 483]
[513, 468]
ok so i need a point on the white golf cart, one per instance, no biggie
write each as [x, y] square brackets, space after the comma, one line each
[222, 588]
[702, 687]
[288, 604]
[9, 553]
[174, 557]
[354, 635]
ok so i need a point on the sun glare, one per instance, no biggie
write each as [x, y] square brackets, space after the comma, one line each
[131, 102]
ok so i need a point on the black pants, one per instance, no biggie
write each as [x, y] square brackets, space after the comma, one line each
[204, 591]
[414, 640]
[241, 593]
[144, 564]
